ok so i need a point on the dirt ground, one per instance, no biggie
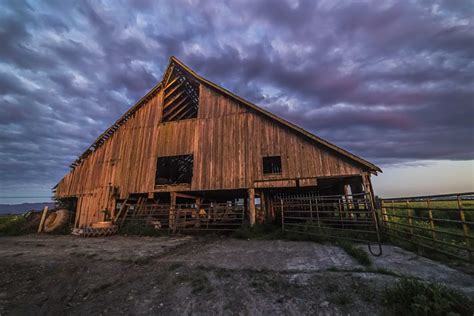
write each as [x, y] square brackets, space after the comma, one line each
[42, 274]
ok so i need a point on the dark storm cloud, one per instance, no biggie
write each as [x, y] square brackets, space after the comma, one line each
[390, 81]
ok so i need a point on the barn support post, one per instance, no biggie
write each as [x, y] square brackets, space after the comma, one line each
[172, 217]
[269, 213]
[347, 194]
[271, 208]
[198, 203]
[251, 194]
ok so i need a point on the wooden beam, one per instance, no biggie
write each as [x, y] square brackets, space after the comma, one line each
[348, 199]
[168, 73]
[173, 90]
[176, 97]
[178, 111]
[307, 182]
[172, 216]
[251, 193]
[120, 211]
[172, 82]
[189, 111]
[43, 218]
[275, 183]
[271, 209]
[185, 196]
[198, 202]
[176, 105]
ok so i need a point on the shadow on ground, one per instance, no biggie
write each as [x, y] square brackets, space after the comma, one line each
[140, 275]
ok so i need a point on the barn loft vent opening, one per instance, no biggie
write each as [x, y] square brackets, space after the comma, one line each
[181, 96]
[174, 170]
[272, 165]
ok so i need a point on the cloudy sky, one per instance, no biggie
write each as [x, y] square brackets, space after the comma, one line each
[392, 81]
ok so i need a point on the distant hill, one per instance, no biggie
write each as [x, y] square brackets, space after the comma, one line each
[24, 207]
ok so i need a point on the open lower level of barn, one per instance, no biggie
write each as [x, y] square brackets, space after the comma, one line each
[329, 202]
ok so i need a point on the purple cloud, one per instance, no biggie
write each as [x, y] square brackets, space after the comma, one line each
[390, 81]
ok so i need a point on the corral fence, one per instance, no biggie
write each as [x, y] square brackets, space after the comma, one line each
[185, 217]
[440, 223]
[350, 217]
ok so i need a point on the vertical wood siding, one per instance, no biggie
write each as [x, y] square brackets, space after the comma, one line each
[228, 141]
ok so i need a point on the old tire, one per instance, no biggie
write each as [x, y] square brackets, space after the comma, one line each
[56, 221]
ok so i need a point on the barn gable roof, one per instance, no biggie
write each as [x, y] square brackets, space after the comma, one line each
[175, 62]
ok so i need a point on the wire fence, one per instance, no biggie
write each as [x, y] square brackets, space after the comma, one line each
[440, 223]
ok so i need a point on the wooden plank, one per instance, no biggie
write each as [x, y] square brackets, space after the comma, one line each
[185, 196]
[173, 99]
[172, 82]
[122, 208]
[307, 182]
[43, 218]
[275, 184]
[168, 93]
[180, 112]
[173, 213]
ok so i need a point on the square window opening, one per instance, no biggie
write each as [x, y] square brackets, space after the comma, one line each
[272, 165]
[174, 170]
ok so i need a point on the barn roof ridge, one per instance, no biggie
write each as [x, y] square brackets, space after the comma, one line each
[111, 130]
[277, 118]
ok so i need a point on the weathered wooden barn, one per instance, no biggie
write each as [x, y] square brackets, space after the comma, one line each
[190, 141]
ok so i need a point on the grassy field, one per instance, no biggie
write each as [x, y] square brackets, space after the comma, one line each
[11, 225]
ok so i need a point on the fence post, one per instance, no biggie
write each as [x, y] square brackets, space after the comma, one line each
[317, 214]
[430, 217]
[410, 217]
[384, 215]
[394, 219]
[465, 228]
[341, 207]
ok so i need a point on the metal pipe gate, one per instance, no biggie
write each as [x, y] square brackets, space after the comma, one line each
[347, 217]
[185, 217]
